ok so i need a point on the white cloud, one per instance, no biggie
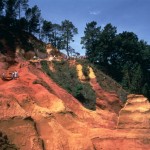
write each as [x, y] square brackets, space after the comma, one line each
[94, 12]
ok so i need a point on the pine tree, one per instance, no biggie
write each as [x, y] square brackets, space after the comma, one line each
[90, 40]
[46, 30]
[1, 7]
[33, 16]
[68, 31]
[22, 5]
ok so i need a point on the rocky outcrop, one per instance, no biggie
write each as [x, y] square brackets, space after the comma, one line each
[135, 114]
[37, 114]
[132, 131]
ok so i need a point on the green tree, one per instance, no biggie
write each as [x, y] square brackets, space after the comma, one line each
[10, 8]
[46, 30]
[137, 78]
[23, 24]
[68, 31]
[125, 49]
[146, 90]
[126, 81]
[90, 40]
[1, 7]
[128, 48]
[22, 5]
[33, 16]
[122, 56]
[55, 37]
[106, 45]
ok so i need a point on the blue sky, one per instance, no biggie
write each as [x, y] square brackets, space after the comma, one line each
[126, 15]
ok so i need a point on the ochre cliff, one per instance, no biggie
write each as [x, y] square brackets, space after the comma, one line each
[37, 114]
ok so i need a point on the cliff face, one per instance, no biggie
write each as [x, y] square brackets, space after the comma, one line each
[132, 130]
[37, 114]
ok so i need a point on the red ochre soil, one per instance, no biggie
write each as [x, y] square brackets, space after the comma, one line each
[37, 114]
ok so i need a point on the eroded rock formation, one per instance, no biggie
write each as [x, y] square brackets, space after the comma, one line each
[37, 114]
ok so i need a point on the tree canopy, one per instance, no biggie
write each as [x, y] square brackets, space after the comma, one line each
[122, 56]
[68, 31]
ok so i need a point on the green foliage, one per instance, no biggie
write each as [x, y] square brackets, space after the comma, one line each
[1, 7]
[17, 17]
[122, 56]
[66, 76]
[106, 82]
[33, 16]
[90, 40]
[55, 38]
[10, 6]
[145, 90]
[85, 71]
[22, 5]
[46, 29]
[85, 68]
[68, 31]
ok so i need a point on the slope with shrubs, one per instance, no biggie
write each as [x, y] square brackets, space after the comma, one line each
[106, 82]
[66, 76]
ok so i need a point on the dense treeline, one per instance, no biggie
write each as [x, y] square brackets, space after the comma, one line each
[122, 56]
[17, 16]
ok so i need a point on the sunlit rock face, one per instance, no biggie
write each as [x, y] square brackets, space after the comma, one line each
[132, 130]
[135, 114]
[37, 114]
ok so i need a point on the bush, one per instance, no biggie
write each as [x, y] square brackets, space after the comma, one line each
[85, 71]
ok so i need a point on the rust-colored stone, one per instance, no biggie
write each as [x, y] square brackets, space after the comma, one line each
[45, 117]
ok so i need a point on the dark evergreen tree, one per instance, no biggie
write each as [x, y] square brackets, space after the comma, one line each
[122, 56]
[1, 7]
[106, 47]
[33, 16]
[10, 12]
[90, 40]
[68, 31]
[55, 37]
[22, 5]
[46, 30]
